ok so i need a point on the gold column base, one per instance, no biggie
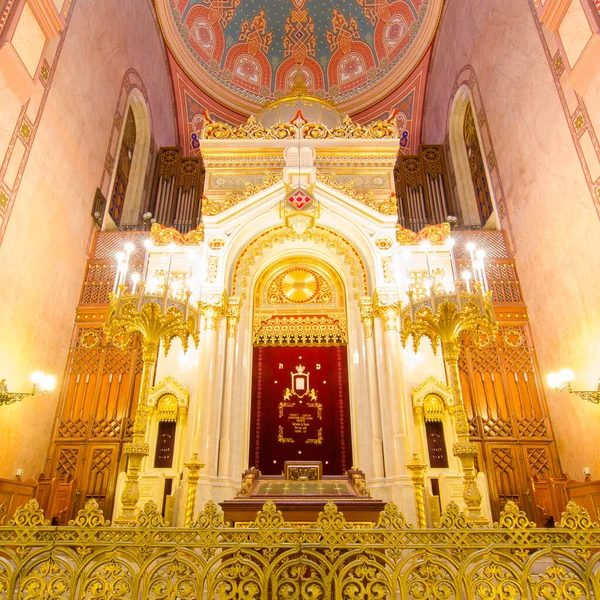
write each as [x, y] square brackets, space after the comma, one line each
[466, 452]
[135, 452]
[193, 467]
[417, 471]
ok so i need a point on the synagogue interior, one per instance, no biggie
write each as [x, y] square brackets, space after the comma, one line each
[299, 299]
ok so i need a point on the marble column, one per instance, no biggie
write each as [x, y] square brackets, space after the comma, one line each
[203, 442]
[391, 343]
[367, 317]
[233, 317]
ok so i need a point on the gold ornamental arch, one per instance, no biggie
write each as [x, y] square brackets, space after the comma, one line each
[300, 301]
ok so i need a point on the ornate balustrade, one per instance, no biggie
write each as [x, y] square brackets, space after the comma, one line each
[272, 559]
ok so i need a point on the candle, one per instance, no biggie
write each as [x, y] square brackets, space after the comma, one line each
[135, 278]
[129, 248]
[148, 245]
[466, 275]
[480, 257]
[450, 243]
[410, 303]
[458, 298]
[191, 255]
[120, 258]
[426, 246]
[187, 304]
[471, 250]
[406, 256]
[140, 295]
[168, 277]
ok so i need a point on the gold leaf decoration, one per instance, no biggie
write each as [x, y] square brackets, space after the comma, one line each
[513, 518]
[211, 517]
[90, 516]
[391, 518]
[331, 519]
[213, 206]
[269, 517]
[150, 517]
[348, 129]
[163, 236]
[29, 515]
[453, 518]
[576, 517]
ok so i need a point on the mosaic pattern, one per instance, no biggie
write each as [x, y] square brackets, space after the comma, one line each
[340, 47]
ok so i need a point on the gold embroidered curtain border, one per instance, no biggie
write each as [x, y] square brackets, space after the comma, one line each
[307, 330]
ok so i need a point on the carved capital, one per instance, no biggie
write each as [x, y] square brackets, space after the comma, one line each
[465, 449]
[213, 309]
[233, 315]
[137, 448]
[387, 308]
[367, 314]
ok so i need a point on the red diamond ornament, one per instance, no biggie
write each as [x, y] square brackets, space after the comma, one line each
[299, 199]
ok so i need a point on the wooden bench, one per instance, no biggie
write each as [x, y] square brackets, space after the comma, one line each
[15, 493]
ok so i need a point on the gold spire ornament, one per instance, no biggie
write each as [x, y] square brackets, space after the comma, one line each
[444, 318]
[157, 313]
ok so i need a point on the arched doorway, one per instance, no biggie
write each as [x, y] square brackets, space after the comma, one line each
[300, 402]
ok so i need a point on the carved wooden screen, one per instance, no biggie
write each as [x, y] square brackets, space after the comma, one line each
[100, 388]
[422, 188]
[177, 190]
[501, 387]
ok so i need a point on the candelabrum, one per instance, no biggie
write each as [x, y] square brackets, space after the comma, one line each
[42, 383]
[561, 382]
[157, 313]
[443, 317]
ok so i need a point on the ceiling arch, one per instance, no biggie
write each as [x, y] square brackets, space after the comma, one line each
[245, 53]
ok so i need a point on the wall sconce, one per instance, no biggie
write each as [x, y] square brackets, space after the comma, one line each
[42, 383]
[561, 381]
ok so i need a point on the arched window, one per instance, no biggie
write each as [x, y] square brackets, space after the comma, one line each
[481, 188]
[126, 200]
[124, 160]
[475, 194]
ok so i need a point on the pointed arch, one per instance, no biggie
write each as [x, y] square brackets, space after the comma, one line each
[126, 198]
[473, 182]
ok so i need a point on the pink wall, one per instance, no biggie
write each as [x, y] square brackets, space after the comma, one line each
[43, 253]
[555, 226]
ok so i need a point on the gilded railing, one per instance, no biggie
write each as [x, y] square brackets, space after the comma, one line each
[271, 559]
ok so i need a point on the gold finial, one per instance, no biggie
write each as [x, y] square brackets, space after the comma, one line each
[299, 88]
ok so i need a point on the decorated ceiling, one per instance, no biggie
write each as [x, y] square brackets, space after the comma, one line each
[244, 53]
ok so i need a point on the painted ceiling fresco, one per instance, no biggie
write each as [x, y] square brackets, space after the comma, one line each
[247, 52]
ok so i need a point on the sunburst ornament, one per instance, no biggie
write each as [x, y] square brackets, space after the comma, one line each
[299, 285]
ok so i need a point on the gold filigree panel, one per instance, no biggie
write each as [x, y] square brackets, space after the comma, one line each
[348, 129]
[271, 558]
[386, 205]
[333, 242]
[213, 204]
[299, 285]
[299, 301]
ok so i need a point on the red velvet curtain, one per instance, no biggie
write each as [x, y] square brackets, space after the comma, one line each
[300, 408]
